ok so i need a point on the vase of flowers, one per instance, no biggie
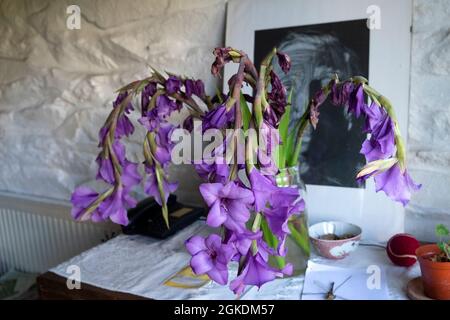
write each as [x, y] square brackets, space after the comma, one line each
[254, 196]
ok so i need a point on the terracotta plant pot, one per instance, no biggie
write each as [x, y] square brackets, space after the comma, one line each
[435, 275]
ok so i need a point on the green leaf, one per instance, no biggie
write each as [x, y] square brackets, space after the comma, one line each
[300, 237]
[442, 231]
[284, 124]
[272, 242]
[289, 150]
[246, 115]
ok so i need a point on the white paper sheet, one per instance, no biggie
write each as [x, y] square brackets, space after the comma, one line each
[348, 283]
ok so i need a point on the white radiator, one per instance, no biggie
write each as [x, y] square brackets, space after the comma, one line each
[37, 234]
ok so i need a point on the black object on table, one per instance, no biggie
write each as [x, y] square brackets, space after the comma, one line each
[147, 219]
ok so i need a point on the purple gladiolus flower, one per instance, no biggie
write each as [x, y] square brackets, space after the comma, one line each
[242, 241]
[165, 106]
[130, 175]
[124, 127]
[81, 198]
[173, 85]
[356, 101]
[151, 186]
[381, 144]
[218, 118]
[150, 120]
[374, 114]
[340, 92]
[222, 57]
[277, 218]
[278, 102]
[210, 256]
[257, 272]
[397, 185]
[314, 105]
[228, 205]
[284, 61]
[195, 87]
[263, 188]
[113, 207]
[217, 171]
[147, 93]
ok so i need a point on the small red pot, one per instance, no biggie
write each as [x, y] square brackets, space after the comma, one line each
[435, 275]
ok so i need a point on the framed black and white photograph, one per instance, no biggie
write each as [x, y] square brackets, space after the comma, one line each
[324, 38]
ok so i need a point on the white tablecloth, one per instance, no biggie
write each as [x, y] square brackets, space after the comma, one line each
[139, 265]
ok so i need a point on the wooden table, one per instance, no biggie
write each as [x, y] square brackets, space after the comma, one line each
[53, 287]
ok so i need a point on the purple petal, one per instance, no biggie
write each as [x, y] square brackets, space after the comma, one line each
[195, 244]
[201, 263]
[210, 192]
[216, 216]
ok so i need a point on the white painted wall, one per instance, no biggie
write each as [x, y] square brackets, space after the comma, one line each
[56, 88]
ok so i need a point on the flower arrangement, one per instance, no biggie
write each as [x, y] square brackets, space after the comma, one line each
[245, 202]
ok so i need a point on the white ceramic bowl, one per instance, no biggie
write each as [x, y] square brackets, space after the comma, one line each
[334, 249]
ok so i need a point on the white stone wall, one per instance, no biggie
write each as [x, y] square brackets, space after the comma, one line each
[429, 117]
[56, 84]
[56, 88]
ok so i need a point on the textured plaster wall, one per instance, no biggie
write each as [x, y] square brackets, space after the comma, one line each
[56, 84]
[56, 88]
[429, 117]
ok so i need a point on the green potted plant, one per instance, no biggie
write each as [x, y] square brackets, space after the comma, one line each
[434, 260]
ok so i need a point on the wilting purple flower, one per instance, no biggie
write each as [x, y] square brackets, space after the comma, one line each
[381, 144]
[146, 94]
[257, 272]
[228, 204]
[210, 256]
[151, 186]
[173, 85]
[188, 123]
[284, 61]
[277, 101]
[397, 185]
[356, 101]
[81, 198]
[150, 120]
[195, 87]
[222, 57]
[218, 118]
[340, 92]
[374, 114]
[165, 106]
[314, 105]
[120, 98]
[124, 127]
